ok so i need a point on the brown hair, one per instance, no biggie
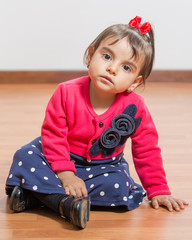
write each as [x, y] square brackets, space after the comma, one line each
[142, 44]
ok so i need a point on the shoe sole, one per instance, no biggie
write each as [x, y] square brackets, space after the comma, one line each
[81, 212]
[20, 206]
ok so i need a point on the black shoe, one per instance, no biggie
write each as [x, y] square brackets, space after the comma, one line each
[79, 210]
[22, 199]
[17, 200]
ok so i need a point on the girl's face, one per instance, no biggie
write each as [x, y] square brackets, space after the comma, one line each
[112, 68]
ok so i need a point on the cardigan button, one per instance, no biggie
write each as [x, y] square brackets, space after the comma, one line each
[101, 124]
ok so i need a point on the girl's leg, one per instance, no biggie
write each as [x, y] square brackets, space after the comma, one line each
[31, 172]
[74, 210]
[21, 199]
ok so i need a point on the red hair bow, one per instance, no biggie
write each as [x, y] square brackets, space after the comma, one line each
[143, 28]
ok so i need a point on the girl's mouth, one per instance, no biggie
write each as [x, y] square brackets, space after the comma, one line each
[107, 79]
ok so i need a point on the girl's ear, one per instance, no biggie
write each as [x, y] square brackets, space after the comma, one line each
[136, 83]
[91, 51]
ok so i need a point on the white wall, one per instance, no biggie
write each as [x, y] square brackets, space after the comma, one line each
[53, 34]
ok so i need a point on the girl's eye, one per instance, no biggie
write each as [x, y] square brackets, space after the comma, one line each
[107, 56]
[126, 68]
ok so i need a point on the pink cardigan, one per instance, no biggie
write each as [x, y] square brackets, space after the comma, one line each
[71, 125]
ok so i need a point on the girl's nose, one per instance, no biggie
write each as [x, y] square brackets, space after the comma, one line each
[112, 69]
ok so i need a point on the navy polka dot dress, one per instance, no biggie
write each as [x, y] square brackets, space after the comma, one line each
[108, 181]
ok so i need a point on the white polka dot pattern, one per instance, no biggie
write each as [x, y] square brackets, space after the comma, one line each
[32, 169]
[108, 183]
[35, 187]
[102, 193]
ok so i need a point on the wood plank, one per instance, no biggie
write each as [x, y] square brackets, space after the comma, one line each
[22, 110]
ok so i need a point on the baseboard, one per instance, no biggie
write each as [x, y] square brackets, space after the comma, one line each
[7, 77]
[39, 76]
[170, 76]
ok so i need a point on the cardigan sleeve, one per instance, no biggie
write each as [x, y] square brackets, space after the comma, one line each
[54, 133]
[147, 155]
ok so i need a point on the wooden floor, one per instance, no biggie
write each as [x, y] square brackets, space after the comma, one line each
[21, 114]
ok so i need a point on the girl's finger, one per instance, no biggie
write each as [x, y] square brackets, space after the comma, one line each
[72, 192]
[78, 193]
[168, 204]
[185, 203]
[155, 203]
[181, 203]
[84, 192]
[176, 206]
[67, 191]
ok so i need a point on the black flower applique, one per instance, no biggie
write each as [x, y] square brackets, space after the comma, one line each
[123, 126]
[109, 140]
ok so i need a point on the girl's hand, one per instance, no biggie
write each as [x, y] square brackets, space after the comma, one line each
[72, 184]
[170, 202]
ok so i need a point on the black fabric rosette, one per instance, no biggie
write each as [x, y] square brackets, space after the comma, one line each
[123, 126]
[108, 142]
[110, 138]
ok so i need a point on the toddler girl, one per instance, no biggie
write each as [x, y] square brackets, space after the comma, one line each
[88, 120]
